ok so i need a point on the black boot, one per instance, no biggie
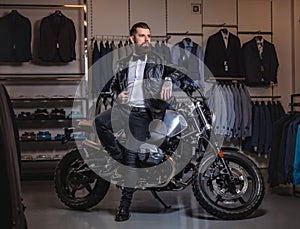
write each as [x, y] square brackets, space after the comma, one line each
[123, 214]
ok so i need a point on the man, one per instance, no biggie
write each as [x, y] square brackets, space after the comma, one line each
[140, 88]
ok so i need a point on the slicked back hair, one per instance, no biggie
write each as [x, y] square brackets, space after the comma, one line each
[143, 25]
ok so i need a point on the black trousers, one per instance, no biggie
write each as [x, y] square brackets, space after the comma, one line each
[135, 122]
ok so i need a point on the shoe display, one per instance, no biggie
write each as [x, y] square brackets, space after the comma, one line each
[59, 137]
[28, 136]
[75, 114]
[75, 136]
[43, 136]
[41, 113]
[123, 214]
[25, 115]
[57, 113]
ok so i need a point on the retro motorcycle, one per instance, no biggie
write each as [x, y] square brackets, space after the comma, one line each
[225, 182]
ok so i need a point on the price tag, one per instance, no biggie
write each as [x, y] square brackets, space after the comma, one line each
[225, 65]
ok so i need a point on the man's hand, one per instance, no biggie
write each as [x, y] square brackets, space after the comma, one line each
[123, 97]
[166, 91]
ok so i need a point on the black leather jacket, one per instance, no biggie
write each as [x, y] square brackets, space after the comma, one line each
[154, 74]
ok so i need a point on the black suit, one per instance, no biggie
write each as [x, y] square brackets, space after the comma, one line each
[216, 53]
[57, 39]
[15, 38]
[259, 71]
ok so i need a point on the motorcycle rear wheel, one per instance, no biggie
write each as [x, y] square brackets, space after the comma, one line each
[78, 190]
[228, 199]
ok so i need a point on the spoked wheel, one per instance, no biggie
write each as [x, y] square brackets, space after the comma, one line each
[228, 197]
[76, 185]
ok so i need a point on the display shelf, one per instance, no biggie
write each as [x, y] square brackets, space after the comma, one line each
[46, 123]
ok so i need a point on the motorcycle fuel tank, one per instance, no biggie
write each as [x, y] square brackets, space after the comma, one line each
[172, 125]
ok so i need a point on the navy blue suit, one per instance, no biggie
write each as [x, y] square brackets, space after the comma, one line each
[57, 39]
[216, 53]
[259, 71]
[15, 38]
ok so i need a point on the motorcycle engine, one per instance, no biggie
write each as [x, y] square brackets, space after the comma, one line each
[151, 154]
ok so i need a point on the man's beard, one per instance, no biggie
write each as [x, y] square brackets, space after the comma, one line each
[141, 49]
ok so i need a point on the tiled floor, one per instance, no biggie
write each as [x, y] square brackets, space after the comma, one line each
[44, 210]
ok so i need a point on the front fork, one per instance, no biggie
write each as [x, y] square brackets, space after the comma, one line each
[212, 140]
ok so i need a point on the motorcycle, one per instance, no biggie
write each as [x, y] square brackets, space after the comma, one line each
[225, 182]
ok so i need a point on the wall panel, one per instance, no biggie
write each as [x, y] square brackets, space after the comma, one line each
[181, 18]
[219, 12]
[109, 17]
[254, 15]
[152, 12]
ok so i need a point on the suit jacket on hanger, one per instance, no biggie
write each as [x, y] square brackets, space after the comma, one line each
[259, 72]
[15, 38]
[57, 39]
[217, 56]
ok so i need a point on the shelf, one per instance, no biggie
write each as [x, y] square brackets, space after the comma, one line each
[53, 102]
[46, 99]
[30, 123]
[45, 77]
[42, 157]
[40, 147]
[48, 142]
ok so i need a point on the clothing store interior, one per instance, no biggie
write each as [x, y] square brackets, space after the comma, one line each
[234, 162]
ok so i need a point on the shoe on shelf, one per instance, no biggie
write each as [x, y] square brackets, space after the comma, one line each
[123, 214]
[58, 113]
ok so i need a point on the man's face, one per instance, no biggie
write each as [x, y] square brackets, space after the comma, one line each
[142, 39]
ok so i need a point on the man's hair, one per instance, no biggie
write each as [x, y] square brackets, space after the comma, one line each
[133, 31]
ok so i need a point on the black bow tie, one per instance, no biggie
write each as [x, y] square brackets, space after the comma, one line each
[138, 57]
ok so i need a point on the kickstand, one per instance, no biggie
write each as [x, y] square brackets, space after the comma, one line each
[159, 199]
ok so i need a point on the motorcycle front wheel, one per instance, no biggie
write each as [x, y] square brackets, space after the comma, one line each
[224, 196]
[76, 185]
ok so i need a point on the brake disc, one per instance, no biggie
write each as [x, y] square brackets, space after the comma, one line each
[220, 185]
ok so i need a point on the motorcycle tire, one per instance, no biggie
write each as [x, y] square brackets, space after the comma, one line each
[217, 197]
[77, 191]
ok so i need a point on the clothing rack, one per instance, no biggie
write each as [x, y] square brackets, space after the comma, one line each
[185, 34]
[265, 97]
[42, 6]
[255, 32]
[95, 37]
[224, 25]
[294, 104]
[232, 79]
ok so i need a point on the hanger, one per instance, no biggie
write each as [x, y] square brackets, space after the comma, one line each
[57, 13]
[223, 29]
[187, 39]
[258, 36]
[14, 12]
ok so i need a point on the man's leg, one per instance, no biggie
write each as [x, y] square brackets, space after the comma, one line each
[103, 125]
[137, 134]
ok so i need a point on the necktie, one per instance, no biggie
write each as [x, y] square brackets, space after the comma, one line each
[260, 49]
